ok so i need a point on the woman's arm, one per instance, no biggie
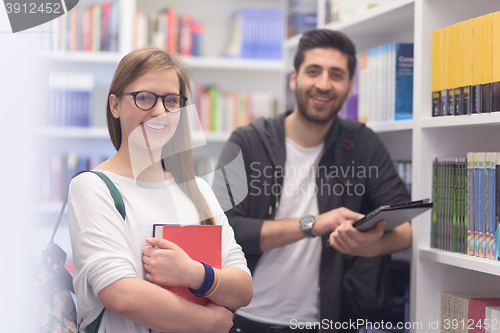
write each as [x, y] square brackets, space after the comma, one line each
[159, 309]
[167, 264]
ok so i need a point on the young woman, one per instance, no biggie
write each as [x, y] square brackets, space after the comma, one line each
[115, 260]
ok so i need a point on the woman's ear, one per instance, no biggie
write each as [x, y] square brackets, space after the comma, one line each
[113, 105]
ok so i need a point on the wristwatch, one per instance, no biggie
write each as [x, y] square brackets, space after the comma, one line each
[306, 224]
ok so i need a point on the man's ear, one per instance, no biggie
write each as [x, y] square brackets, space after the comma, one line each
[293, 79]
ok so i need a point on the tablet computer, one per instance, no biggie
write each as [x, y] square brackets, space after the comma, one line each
[394, 215]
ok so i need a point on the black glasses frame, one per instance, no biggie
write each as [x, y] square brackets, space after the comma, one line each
[135, 93]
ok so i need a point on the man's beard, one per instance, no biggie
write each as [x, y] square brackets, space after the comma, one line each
[301, 99]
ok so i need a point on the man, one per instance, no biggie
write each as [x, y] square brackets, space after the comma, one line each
[309, 176]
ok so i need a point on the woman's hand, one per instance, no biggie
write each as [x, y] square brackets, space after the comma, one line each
[168, 265]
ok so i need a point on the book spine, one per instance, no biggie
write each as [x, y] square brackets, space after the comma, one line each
[487, 220]
[477, 50]
[404, 82]
[444, 71]
[497, 210]
[470, 206]
[495, 88]
[436, 72]
[486, 64]
[468, 63]
[451, 71]
[481, 207]
[458, 69]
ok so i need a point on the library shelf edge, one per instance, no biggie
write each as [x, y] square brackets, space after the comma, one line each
[459, 260]
[382, 19]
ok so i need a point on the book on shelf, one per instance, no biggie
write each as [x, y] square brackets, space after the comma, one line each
[223, 111]
[487, 62]
[477, 58]
[168, 30]
[92, 28]
[70, 97]
[201, 242]
[465, 67]
[386, 83]
[463, 312]
[466, 203]
[495, 86]
[302, 16]
[56, 172]
[256, 33]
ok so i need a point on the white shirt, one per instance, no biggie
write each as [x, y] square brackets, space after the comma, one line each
[107, 248]
[286, 279]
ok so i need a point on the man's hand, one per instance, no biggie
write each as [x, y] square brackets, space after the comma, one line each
[349, 240]
[331, 220]
[168, 265]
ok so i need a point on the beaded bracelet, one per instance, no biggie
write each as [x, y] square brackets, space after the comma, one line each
[208, 281]
[217, 284]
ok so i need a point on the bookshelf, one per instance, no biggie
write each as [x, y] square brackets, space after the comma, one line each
[425, 137]
[231, 74]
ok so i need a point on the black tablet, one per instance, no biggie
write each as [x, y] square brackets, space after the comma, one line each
[394, 215]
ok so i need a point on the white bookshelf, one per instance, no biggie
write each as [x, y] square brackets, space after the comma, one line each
[425, 137]
[385, 23]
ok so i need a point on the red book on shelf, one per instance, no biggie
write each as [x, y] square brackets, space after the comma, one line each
[476, 313]
[200, 242]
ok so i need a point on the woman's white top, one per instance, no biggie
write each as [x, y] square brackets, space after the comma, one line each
[107, 248]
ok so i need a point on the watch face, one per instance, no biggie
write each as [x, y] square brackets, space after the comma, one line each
[306, 220]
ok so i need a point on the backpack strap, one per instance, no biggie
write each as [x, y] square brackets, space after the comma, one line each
[115, 194]
[54, 255]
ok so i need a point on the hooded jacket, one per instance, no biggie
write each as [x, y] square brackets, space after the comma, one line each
[354, 171]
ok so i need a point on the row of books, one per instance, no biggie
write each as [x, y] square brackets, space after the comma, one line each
[466, 67]
[69, 99]
[470, 312]
[403, 167]
[223, 111]
[56, 172]
[466, 196]
[341, 10]
[256, 33]
[386, 83]
[92, 28]
[302, 16]
[168, 31]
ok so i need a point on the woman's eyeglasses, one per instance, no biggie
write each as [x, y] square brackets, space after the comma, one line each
[146, 100]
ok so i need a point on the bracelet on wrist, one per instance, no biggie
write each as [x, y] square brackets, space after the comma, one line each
[217, 284]
[208, 281]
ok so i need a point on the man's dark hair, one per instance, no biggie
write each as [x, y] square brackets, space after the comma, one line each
[324, 38]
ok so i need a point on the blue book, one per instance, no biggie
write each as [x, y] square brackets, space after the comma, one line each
[481, 206]
[471, 239]
[404, 81]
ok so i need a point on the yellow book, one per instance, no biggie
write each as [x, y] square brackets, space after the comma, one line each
[477, 58]
[496, 62]
[436, 71]
[467, 78]
[459, 69]
[487, 66]
[444, 71]
[451, 70]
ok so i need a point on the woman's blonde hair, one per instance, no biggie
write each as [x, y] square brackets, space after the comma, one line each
[178, 158]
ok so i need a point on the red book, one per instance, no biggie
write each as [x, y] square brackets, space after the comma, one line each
[476, 313]
[200, 242]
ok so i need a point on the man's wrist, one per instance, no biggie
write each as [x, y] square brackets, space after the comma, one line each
[306, 224]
